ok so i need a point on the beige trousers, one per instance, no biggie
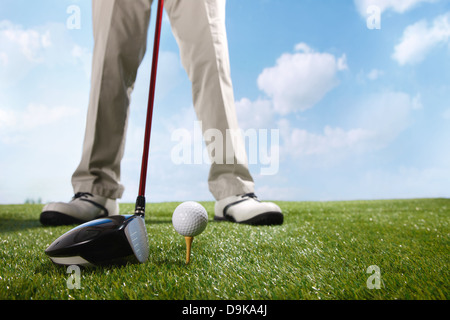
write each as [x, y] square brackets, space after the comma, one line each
[120, 34]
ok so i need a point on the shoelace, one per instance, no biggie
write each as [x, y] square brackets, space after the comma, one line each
[244, 197]
[250, 195]
[82, 195]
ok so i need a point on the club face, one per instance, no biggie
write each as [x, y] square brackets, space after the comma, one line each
[136, 234]
[113, 240]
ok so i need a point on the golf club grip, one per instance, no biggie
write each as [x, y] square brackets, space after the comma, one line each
[151, 99]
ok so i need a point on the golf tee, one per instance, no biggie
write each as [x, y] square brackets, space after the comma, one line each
[188, 248]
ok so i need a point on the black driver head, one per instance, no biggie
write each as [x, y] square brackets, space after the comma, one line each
[112, 240]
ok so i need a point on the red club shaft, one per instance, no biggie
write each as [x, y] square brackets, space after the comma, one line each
[151, 100]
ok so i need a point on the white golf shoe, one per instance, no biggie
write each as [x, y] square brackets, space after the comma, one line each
[82, 208]
[247, 209]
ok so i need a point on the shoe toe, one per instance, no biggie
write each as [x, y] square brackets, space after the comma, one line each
[54, 218]
[273, 207]
[255, 213]
[58, 213]
[83, 207]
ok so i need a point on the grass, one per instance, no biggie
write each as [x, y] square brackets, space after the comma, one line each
[322, 251]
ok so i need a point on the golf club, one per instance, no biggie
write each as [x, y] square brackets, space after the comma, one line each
[116, 239]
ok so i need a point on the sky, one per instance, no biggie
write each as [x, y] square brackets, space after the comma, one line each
[351, 96]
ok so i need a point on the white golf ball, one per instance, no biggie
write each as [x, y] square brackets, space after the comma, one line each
[190, 219]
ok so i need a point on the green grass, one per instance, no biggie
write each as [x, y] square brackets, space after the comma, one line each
[322, 251]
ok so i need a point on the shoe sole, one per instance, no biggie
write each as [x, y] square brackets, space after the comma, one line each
[54, 218]
[264, 219]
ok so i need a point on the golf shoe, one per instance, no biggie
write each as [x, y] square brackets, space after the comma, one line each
[247, 209]
[82, 208]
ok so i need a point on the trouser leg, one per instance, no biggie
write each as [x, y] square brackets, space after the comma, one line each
[120, 35]
[199, 28]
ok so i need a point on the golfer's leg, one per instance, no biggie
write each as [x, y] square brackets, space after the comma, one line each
[120, 34]
[199, 28]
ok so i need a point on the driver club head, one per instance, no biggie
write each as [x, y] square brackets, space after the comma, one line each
[112, 240]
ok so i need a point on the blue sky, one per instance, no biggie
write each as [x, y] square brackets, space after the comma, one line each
[362, 113]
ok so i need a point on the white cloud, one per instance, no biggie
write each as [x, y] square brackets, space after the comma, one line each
[381, 119]
[3, 59]
[40, 147]
[83, 55]
[446, 114]
[7, 118]
[303, 47]
[420, 38]
[38, 115]
[29, 42]
[399, 6]
[170, 72]
[300, 80]
[332, 141]
[43, 98]
[254, 114]
[387, 114]
[23, 49]
[404, 182]
[374, 74]
[16, 125]
[18, 53]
